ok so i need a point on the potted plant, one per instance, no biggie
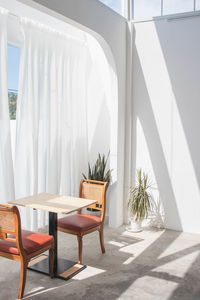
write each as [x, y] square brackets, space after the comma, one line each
[98, 172]
[140, 201]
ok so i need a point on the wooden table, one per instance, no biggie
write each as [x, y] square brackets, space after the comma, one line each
[54, 204]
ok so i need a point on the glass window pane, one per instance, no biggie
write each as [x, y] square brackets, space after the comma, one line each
[13, 67]
[116, 5]
[13, 76]
[197, 4]
[145, 9]
[177, 6]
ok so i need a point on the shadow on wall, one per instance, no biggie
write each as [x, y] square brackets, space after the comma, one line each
[103, 102]
[142, 110]
[180, 43]
[157, 216]
[100, 142]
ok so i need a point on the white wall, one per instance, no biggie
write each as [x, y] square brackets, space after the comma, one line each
[166, 122]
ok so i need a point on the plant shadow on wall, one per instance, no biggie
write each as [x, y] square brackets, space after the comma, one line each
[157, 215]
[142, 110]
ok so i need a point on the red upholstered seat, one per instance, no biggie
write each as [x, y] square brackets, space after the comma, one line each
[31, 241]
[79, 222]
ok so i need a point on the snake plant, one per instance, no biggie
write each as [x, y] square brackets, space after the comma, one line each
[99, 169]
[139, 202]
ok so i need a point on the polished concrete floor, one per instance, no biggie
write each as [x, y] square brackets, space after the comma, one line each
[153, 264]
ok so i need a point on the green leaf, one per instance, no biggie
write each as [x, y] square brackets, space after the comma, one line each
[84, 176]
[97, 172]
[89, 172]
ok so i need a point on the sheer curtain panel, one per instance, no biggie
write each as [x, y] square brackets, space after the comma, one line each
[6, 166]
[51, 137]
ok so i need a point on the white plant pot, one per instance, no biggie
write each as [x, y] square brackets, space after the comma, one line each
[135, 226]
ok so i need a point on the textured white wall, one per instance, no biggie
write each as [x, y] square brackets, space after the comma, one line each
[166, 106]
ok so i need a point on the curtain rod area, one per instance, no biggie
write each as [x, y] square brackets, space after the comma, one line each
[11, 14]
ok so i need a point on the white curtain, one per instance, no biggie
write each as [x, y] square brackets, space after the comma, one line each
[51, 135]
[6, 165]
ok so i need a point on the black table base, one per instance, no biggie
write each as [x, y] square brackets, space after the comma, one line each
[63, 269]
[66, 269]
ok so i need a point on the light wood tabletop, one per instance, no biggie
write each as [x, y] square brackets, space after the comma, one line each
[53, 203]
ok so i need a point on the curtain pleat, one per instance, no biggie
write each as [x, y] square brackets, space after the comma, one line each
[6, 164]
[51, 134]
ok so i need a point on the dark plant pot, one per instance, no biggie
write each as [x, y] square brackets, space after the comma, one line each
[93, 209]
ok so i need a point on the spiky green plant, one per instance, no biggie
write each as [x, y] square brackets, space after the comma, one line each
[139, 202]
[98, 171]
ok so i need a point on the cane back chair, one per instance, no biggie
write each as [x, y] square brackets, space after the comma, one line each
[82, 224]
[21, 245]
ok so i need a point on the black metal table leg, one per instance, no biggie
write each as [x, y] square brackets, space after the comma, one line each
[53, 231]
[63, 269]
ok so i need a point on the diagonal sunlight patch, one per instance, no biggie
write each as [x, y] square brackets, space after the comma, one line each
[88, 272]
[144, 288]
[129, 260]
[131, 235]
[117, 244]
[140, 241]
[37, 289]
[178, 267]
[184, 243]
[162, 99]
[41, 290]
[145, 161]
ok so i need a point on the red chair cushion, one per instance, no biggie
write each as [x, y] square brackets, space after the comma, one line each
[79, 222]
[32, 241]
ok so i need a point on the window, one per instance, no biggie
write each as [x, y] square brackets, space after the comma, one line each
[13, 76]
[197, 5]
[116, 5]
[146, 9]
[177, 6]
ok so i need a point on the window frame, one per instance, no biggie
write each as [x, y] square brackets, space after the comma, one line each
[162, 14]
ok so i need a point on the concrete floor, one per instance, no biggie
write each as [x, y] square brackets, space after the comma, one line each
[153, 264]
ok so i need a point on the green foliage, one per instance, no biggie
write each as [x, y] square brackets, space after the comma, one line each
[12, 101]
[140, 203]
[98, 171]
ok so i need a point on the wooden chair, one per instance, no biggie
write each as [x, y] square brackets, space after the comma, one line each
[21, 245]
[82, 224]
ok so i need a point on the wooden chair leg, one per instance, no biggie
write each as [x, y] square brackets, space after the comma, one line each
[24, 265]
[51, 255]
[80, 246]
[101, 239]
